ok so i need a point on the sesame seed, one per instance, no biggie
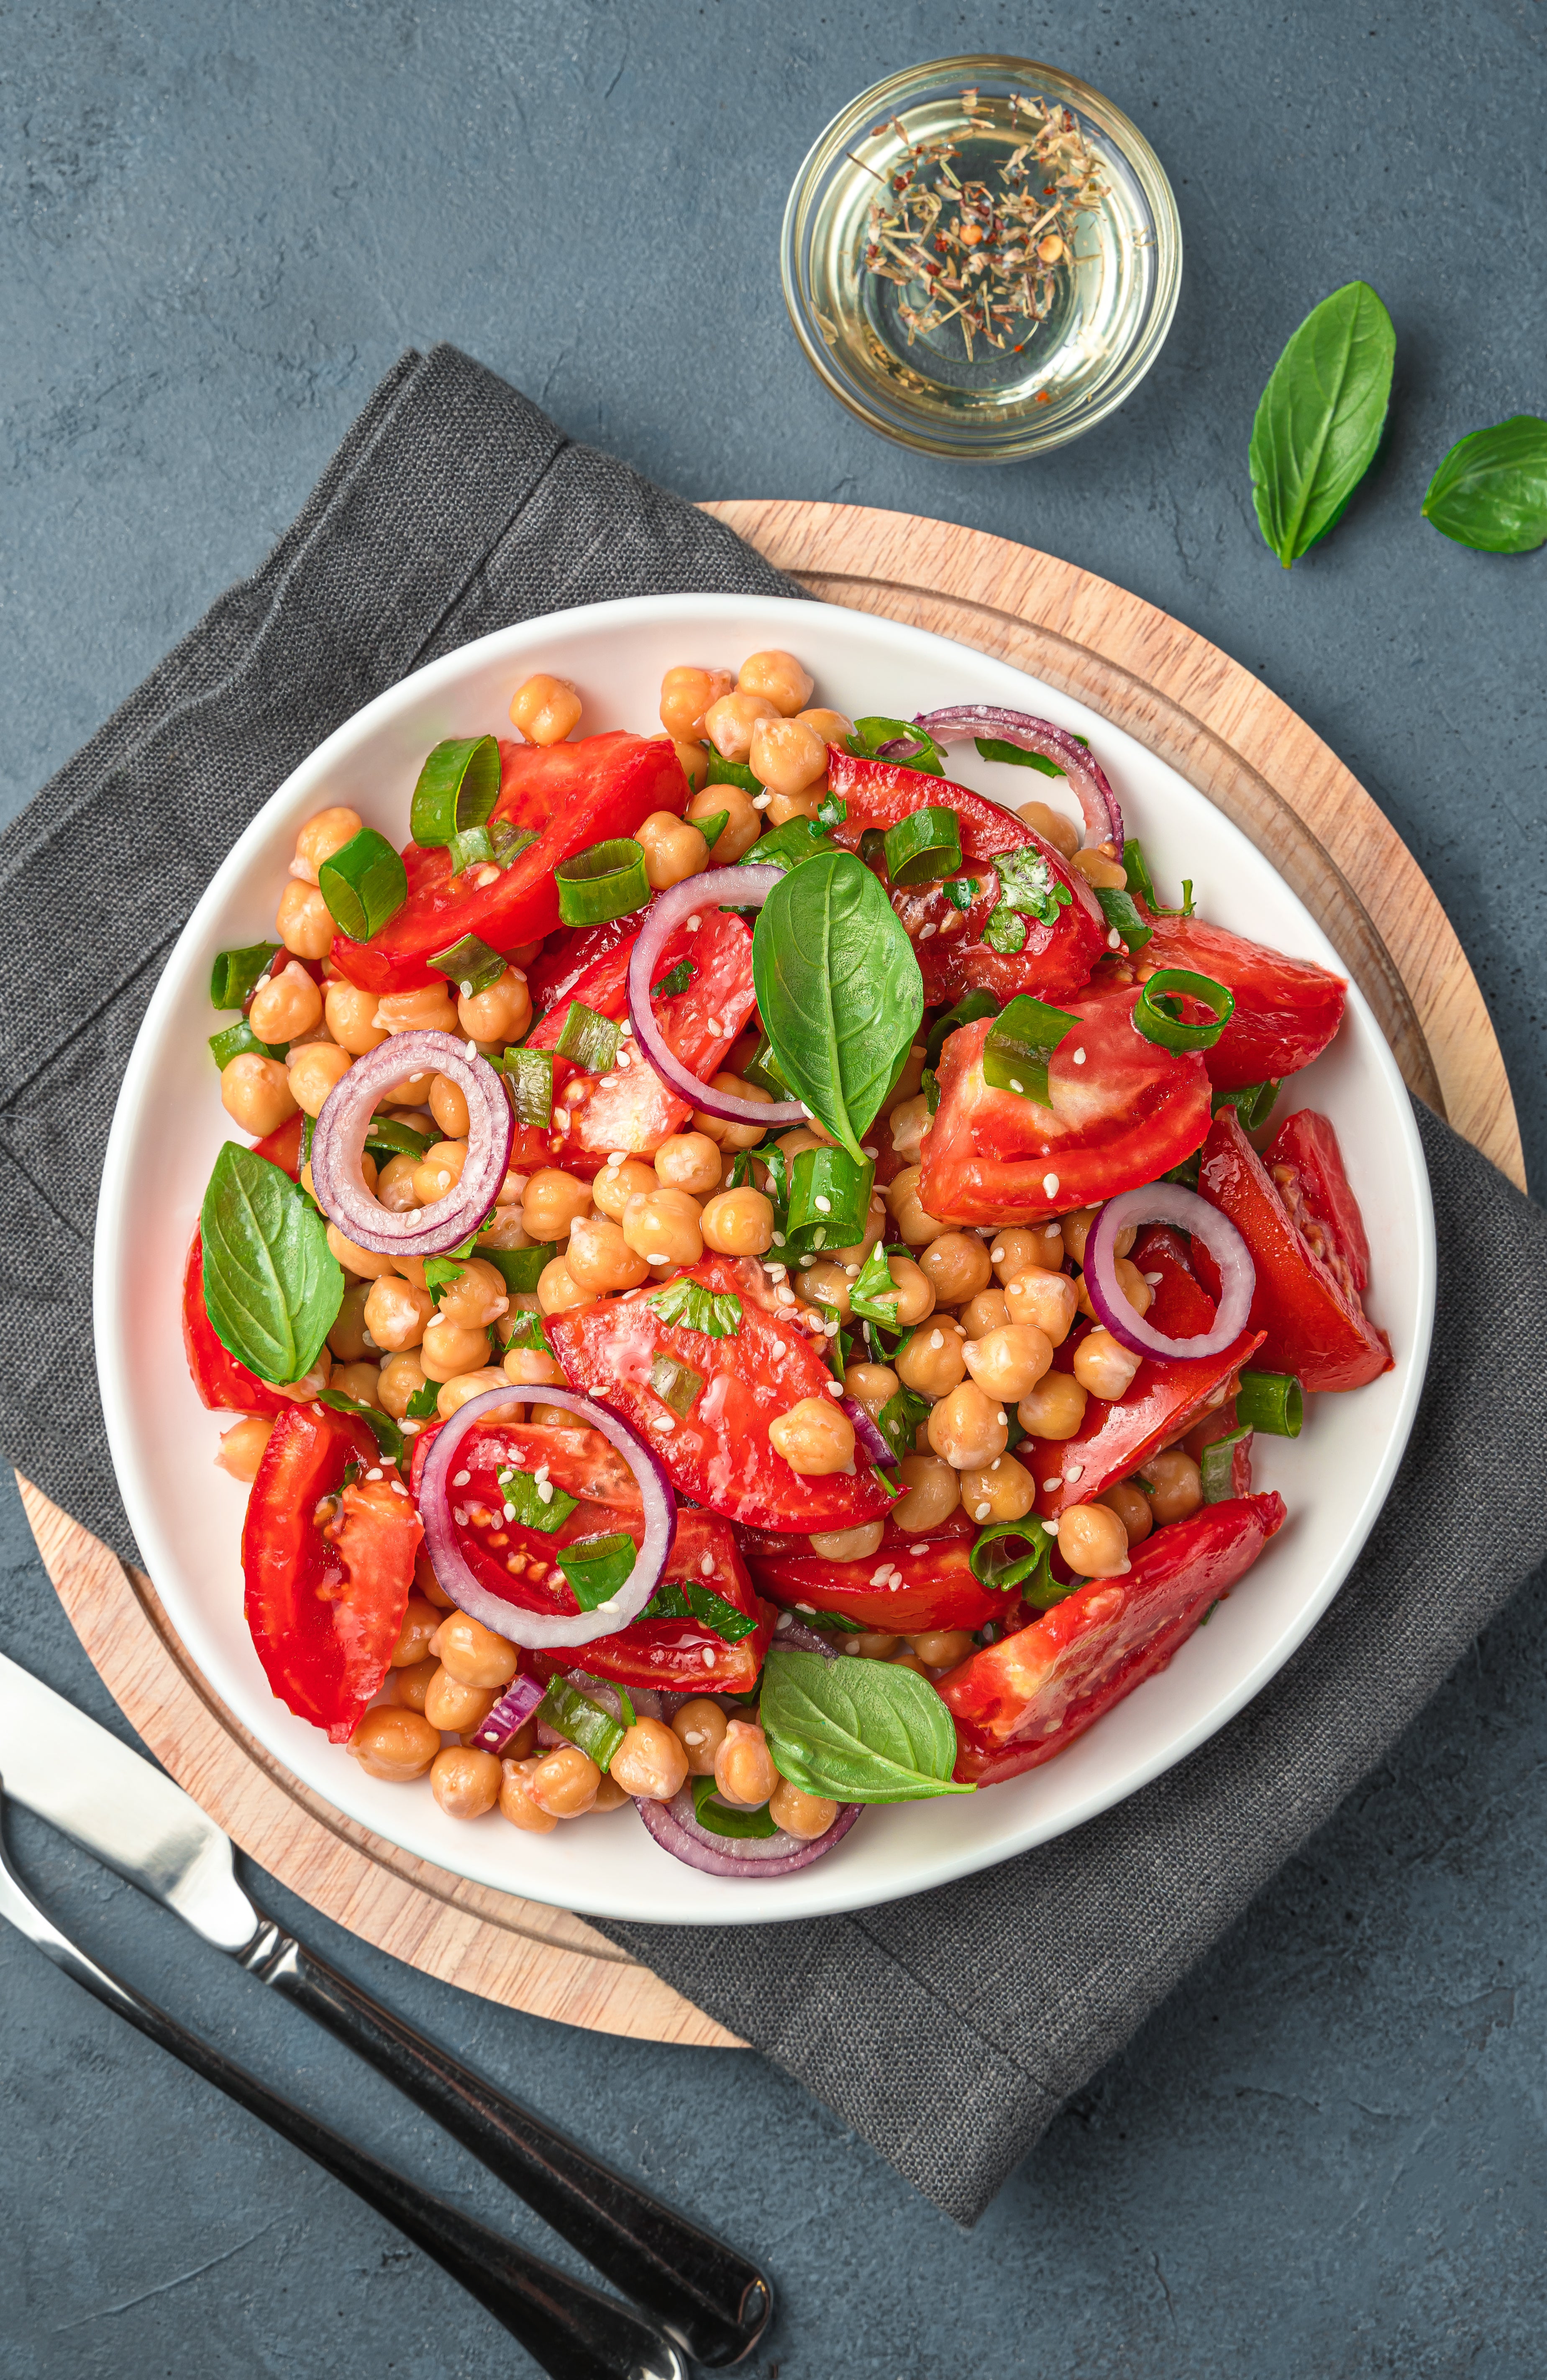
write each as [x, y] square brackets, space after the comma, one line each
[880, 1577]
[925, 931]
[800, 1607]
[981, 1512]
[707, 1565]
[829, 1330]
[708, 1657]
[1075, 1471]
[510, 1511]
[1114, 939]
[1049, 1184]
[834, 1388]
[626, 1026]
[1079, 1057]
[466, 990]
[853, 1271]
[1016, 1086]
[472, 1050]
[712, 1025]
[624, 1058]
[660, 1257]
[374, 1474]
[778, 1239]
[918, 1549]
[1050, 1487]
[1153, 1279]
[823, 1206]
[544, 1496]
[996, 1255]
[761, 801]
[462, 1479]
[868, 1152]
[936, 1339]
[618, 1157]
[995, 1463]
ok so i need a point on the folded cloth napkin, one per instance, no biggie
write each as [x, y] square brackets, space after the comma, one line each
[949, 2028]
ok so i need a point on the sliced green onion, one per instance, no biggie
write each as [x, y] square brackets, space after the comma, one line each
[994, 747]
[872, 848]
[535, 1503]
[598, 1567]
[389, 1437]
[387, 1137]
[235, 976]
[1118, 910]
[923, 846]
[470, 963]
[1253, 1104]
[967, 1010]
[678, 979]
[731, 772]
[458, 788]
[529, 1073]
[588, 1040]
[1137, 870]
[718, 1817]
[579, 1720]
[309, 1125]
[521, 1269]
[1272, 1402]
[929, 1083]
[994, 1564]
[1159, 1016]
[828, 1200]
[712, 827]
[1021, 1044]
[608, 881]
[870, 734]
[787, 847]
[240, 1041]
[499, 842]
[363, 885]
[762, 1068]
[1218, 1464]
[675, 1384]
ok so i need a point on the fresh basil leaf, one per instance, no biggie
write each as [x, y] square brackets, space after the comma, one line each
[838, 990]
[389, 1437]
[1320, 420]
[873, 1294]
[787, 847]
[718, 1817]
[832, 1624]
[1003, 931]
[856, 1730]
[534, 1503]
[693, 1307]
[388, 1136]
[1137, 869]
[425, 1403]
[711, 826]
[732, 772]
[1491, 491]
[869, 735]
[598, 1567]
[271, 1283]
[717, 1614]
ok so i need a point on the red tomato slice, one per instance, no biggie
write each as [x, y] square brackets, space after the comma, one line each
[1286, 1010]
[1218, 1424]
[283, 1147]
[1124, 1112]
[328, 1566]
[953, 957]
[574, 795]
[1307, 1167]
[1026, 1699]
[720, 1455]
[571, 953]
[1163, 1400]
[1310, 1317]
[909, 1585]
[222, 1384]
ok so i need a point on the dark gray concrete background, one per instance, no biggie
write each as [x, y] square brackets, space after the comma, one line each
[219, 227]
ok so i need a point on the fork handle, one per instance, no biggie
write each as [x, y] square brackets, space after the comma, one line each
[711, 2298]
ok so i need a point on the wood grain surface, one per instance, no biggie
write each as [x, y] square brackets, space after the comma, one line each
[1233, 739]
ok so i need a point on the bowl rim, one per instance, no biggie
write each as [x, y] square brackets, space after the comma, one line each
[1137, 361]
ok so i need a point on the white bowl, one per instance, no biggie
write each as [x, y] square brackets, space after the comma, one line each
[187, 1514]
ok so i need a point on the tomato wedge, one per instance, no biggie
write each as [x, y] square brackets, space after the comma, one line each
[1286, 1010]
[1022, 1701]
[573, 795]
[1309, 1312]
[1163, 1399]
[284, 1148]
[911, 1584]
[1124, 1112]
[1307, 1167]
[222, 1384]
[719, 1453]
[328, 1566]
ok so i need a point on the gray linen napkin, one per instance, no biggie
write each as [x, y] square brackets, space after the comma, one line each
[949, 2028]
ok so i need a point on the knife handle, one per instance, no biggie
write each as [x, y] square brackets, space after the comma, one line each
[711, 2300]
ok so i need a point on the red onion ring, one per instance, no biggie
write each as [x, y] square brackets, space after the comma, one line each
[342, 1128]
[675, 1827]
[1167, 1202]
[510, 1714]
[1099, 804]
[539, 1630]
[730, 888]
[867, 1435]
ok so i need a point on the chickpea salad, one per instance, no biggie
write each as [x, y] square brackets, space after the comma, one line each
[753, 1270]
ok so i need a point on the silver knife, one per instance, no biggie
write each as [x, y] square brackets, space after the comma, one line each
[67, 1770]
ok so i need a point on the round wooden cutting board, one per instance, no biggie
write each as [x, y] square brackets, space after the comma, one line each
[1233, 740]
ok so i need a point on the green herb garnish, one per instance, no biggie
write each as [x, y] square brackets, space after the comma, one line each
[607, 880]
[271, 1283]
[588, 1040]
[579, 1720]
[719, 1818]
[856, 1730]
[470, 965]
[363, 885]
[874, 1295]
[236, 974]
[1158, 1012]
[1490, 490]
[691, 1306]
[1019, 1047]
[534, 1503]
[598, 1568]
[692, 1600]
[675, 1384]
[1320, 420]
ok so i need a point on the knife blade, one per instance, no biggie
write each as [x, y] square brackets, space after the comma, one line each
[67, 1769]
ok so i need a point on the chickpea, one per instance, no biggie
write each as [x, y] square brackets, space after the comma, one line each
[393, 1742]
[564, 1781]
[1176, 1488]
[428, 1010]
[1002, 1491]
[743, 1770]
[743, 823]
[909, 1661]
[814, 1438]
[504, 1229]
[465, 1781]
[545, 709]
[738, 1222]
[455, 1707]
[420, 1620]
[804, 1135]
[871, 1385]
[557, 1290]
[968, 1427]
[449, 1108]
[439, 1169]
[1039, 1244]
[409, 1686]
[255, 1093]
[600, 1260]
[1131, 1505]
[824, 1283]
[400, 1379]
[311, 1384]
[1048, 1299]
[395, 1186]
[425, 1581]
[663, 1226]
[453, 1394]
[986, 1312]
[350, 1014]
[474, 1655]
[686, 695]
[933, 1362]
[848, 1544]
[316, 1069]
[652, 1761]
[932, 1493]
[529, 1368]
[870, 1645]
[693, 760]
[700, 1728]
[1009, 1362]
[914, 1226]
[804, 1816]
[365, 1264]
[610, 1795]
[1053, 1409]
[242, 1447]
[1093, 1541]
[303, 921]
[831, 725]
[1134, 1286]
[287, 1005]
[909, 1122]
[396, 1315]
[674, 850]
[1104, 1366]
[477, 1297]
[1075, 1229]
[957, 1265]
[689, 1160]
[1098, 867]
[551, 1202]
[733, 1135]
[325, 832]
[728, 724]
[942, 1648]
[357, 1380]
[515, 1799]
[411, 1268]
[615, 1184]
[450, 1348]
[786, 757]
[779, 678]
[1051, 826]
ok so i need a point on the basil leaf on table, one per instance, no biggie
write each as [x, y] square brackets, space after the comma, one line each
[838, 990]
[271, 1283]
[856, 1730]
[1320, 420]
[1491, 491]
